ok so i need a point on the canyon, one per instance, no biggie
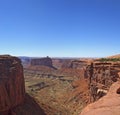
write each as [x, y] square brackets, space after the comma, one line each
[71, 85]
[58, 86]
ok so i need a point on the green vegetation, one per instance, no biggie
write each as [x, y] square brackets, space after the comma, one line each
[109, 59]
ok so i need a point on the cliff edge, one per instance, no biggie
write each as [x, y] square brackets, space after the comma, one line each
[107, 105]
[12, 88]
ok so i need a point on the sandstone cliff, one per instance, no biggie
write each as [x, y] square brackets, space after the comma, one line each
[108, 105]
[103, 74]
[12, 87]
[78, 64]
[100, 76]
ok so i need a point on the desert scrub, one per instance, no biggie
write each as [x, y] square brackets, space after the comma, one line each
[109, 59]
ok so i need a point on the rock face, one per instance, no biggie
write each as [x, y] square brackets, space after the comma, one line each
[13, 100]
[101, 76]
[103, 73]
[107, 105]
[12, 88]
[42, 61]
[77, 64]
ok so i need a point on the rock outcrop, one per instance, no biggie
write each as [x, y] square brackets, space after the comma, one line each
[78, 64]
[13, 100]
[12, 88]
[107, 105]
[101, 75]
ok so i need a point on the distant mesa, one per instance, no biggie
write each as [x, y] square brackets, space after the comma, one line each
[42, 61]
[46, 61]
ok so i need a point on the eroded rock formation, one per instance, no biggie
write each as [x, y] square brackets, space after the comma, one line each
[12, 89]
[101, 76]
[107, 105]
[78, 64]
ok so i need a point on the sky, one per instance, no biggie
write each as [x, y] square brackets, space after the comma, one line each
[60, 28]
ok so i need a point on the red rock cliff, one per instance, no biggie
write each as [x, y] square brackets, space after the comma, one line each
[108, 105]
[12, 88]
[13, 100]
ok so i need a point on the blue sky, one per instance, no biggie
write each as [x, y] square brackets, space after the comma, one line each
[60, 28]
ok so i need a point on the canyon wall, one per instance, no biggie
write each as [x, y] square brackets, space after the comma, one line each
[104, 89]
[13, 100]
[78, 64]
[12, 88]
[107, 105]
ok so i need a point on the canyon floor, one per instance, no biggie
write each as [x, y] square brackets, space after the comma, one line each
[54, 90]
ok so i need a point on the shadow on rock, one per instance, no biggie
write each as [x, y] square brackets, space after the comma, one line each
[30, 107]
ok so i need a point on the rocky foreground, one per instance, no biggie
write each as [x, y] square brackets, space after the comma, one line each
[107, 105]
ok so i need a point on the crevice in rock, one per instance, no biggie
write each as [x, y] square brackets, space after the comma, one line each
[118, 91]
